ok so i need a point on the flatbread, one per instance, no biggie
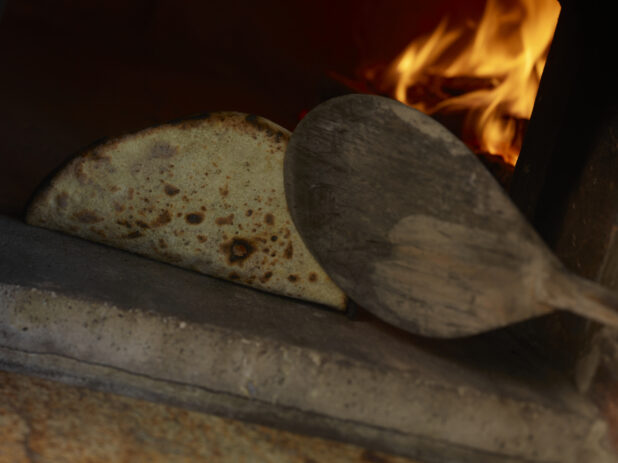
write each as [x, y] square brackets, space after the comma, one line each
[205, 194]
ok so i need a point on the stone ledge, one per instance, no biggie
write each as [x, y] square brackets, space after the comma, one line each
[88, 314]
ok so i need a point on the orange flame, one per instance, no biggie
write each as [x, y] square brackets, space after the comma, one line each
[504, 56]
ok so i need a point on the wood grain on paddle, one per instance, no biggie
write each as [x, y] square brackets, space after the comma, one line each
[409, 223]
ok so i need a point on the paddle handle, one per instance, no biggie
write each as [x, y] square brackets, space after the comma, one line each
[567, 291]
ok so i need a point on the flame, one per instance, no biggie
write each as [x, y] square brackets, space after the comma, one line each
[503, 55]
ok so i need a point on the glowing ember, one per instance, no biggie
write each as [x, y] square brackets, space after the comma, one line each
[489, 71]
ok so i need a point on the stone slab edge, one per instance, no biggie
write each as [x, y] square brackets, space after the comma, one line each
[220, 371]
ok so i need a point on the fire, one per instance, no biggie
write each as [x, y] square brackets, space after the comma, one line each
[488, 71]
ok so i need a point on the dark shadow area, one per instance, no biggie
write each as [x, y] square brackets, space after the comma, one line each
[75, 72]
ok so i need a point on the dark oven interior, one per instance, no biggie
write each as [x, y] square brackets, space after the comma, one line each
[75, 72]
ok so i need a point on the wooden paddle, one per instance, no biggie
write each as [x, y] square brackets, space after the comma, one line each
[409, 223]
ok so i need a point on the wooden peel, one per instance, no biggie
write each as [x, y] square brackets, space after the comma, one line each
[408, 222]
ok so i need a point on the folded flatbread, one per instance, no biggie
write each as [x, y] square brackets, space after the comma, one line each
[206, 194]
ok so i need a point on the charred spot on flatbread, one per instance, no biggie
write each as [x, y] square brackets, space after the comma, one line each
[288, 253]
[237, 250]
[228, 220]
[87, 216]
[162, 219]
[171, 190]
[194, 218]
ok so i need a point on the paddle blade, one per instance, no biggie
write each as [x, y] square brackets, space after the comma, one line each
[407, 222]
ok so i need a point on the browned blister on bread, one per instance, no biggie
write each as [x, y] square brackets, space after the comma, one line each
[206, 194]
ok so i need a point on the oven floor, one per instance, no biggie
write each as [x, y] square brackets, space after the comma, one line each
[95, 317]
[42, 420]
